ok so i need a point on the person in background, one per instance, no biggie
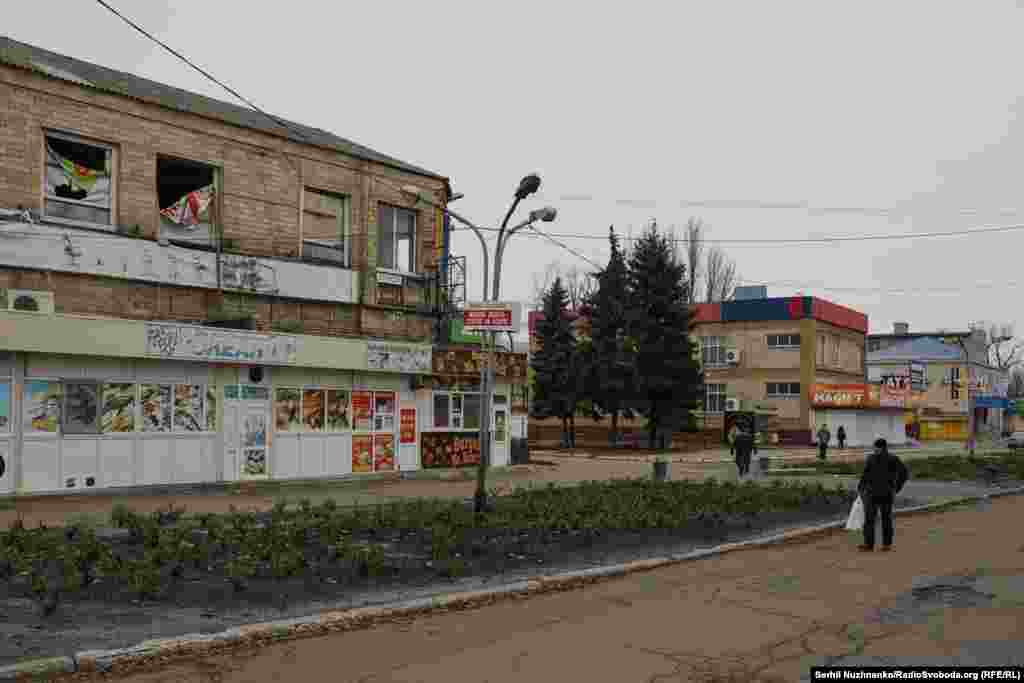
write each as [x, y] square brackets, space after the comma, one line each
[823, 438]
[841, 437]
[884, 476]
[743, 446]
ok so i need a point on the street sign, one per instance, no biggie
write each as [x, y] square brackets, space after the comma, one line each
[491, 317]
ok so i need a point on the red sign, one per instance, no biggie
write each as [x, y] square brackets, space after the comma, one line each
[362, 410]
[362, 454]
[840, 395]
[383, 452]
[486, 318]
[407, 426]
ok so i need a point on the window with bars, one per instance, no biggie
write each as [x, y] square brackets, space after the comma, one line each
[714, 398]
[782, 389]
[783, 341]
[712, 350]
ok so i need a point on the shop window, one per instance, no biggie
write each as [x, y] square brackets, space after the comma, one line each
[118, 414]
[78, 183]
[714, 398]
[326, 228]
[187, 194]
[288, 410]
[81, 408]
[384, 411]
[396, 238]
[313, 410]
[157, 402]
[338, 411]
[5, 407]
[41, 407]
[472, 412]
[783, 341]
[783, 389]
[188, 408]
[441, 409]
[456, 421]
[211, 409]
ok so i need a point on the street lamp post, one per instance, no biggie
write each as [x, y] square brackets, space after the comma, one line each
[527, 186]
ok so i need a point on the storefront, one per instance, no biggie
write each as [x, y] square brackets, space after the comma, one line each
[96, 403]
[451, 404]
[863, 413]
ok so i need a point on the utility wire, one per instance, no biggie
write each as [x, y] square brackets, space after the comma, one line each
[564, 246]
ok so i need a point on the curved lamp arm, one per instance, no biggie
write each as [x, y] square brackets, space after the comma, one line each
[483, 245]
[499, 252]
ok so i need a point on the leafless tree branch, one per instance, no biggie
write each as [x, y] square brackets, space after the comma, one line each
[720, 276]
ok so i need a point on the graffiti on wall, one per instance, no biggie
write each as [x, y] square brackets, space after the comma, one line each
[196, 343]
[398, 357]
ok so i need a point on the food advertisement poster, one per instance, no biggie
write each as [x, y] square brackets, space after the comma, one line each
[188, 408]
[442, 449]
[118, 408]
[362, 410]
[255, 462]
[157, 404]
[313, 409]
[383, 452]
[287, 410]
[211, 408]
[362, 460]
[407, 426]
[5, 406]
[337, 411]
[42, 406]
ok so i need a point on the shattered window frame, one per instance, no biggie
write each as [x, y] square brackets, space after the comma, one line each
[76, 211]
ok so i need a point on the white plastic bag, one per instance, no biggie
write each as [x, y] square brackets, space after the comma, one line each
[855, 522]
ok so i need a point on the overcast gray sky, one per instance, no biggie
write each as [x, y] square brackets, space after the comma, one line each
[912, 107]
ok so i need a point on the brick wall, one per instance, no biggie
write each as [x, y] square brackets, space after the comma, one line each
[262, 180]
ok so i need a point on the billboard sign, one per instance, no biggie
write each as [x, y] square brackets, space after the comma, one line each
[491, 317]
[839, 396]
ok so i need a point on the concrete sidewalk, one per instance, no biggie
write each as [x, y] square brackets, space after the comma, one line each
[951, 593]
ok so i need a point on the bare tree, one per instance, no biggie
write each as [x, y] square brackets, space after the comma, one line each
[579, 283]
[693, 245]
[1004, 351]
[720, 276]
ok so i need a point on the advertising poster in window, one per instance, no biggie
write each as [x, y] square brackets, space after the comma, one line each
[362, 410]
[81, 408]
[156, 407]
[255, 462]
[383, 452]
[407, 426]
[384, 411]
[5, 406]
[254, 430]
[118, 409]
[188, 408]
[313, 410]
[211, 408]
[441, 449]
[41, 406]
[337, 411]
[287, 403]
[362, 447]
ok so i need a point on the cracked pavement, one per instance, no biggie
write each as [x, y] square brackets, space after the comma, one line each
[952, 592]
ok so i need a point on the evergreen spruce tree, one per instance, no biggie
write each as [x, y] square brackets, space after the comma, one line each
[658, 321]
[610, 363]
[555, 365]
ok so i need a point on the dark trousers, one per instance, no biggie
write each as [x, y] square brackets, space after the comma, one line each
[822, 448]
[872, 506]
[743, 460]
[842, 443]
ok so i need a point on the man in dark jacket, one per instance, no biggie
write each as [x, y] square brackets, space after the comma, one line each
[841, 437]
[884, 477]
[744, 446]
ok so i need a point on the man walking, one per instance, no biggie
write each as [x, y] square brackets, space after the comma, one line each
[841, 437]
[743, 445]
[823, 438]
[884, 477]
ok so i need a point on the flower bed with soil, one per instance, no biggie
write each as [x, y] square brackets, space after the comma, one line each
[72, 579]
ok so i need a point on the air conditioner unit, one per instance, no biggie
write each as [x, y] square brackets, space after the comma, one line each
[732, 356]
[30, 301]
[732, 405]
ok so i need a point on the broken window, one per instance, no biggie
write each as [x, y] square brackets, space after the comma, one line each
[396, 238]
[187, 191]
[79, 180]
[326, 228]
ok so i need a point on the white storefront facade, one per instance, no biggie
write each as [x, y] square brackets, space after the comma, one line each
[93, 403]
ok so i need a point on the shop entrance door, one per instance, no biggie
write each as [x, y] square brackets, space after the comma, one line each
[499, 454]
[246, 430]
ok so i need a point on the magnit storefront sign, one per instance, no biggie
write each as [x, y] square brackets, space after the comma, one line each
[840, 396]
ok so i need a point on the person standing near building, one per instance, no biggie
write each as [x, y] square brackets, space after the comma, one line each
[743, 446]
[884, 476]
[841, 437]
[823, 438]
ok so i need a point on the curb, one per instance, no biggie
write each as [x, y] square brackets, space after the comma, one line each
[364, 617]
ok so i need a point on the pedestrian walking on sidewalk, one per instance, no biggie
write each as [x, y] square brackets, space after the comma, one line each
[823, 438]
[841, 437]
[884, 476]
[743, 445]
